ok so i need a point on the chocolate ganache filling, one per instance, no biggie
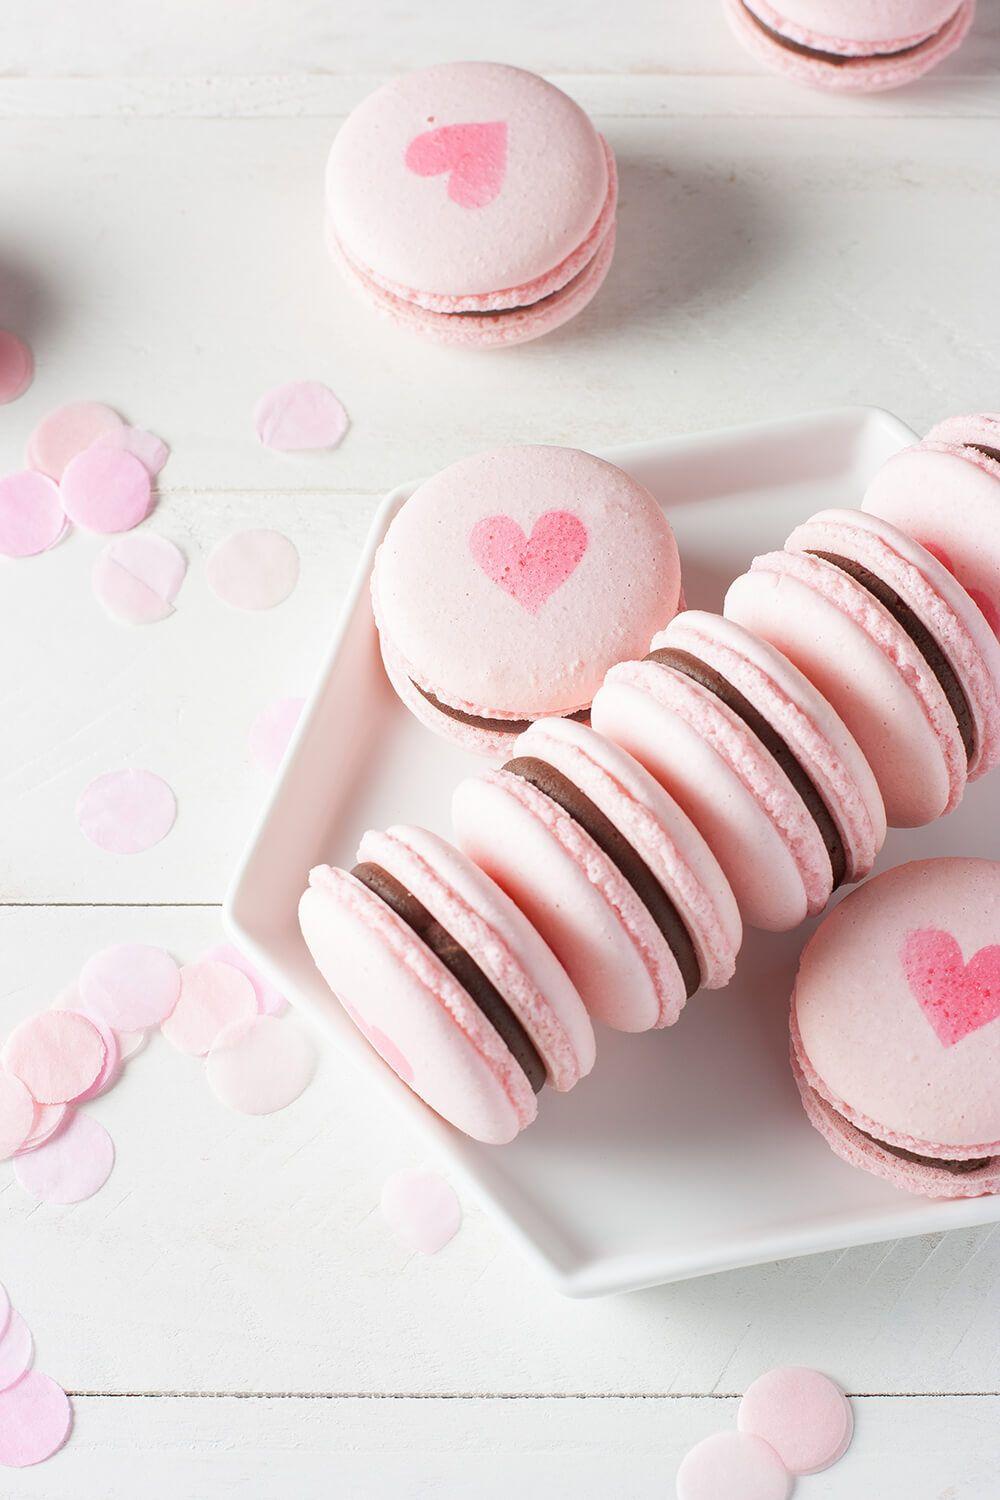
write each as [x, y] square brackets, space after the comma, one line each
[545, 778]
[460, 964]
[839, 59]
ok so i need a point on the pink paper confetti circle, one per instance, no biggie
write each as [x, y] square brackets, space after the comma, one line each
[731, 1464]
[213, 996]
[48, 1119]
[57, 1055]
[17, 1349]
[151, 451]
[802, 1414]
[270, 1000]
[70, 1167]
[17, 1114]
[17, 366]
[131, 986]
[421, 1209]
[67, 431]
[106, 489]
[260, 1065]
[137, 577]
[126, 812]
[35, 1421]
[31, 514]
[253, 569]
[298, 415]
[271, 731]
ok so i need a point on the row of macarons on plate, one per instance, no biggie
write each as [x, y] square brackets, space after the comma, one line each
[476, 203]
[660, 776]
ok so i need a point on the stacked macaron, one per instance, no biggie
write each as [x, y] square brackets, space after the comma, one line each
[507, 585]
[844, 46]
[473, 203]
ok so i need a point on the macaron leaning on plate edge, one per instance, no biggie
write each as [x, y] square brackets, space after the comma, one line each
[473, 202]
[756, 757]
[610, 870]
[447, 980]
[895, 1027]
[506, 586]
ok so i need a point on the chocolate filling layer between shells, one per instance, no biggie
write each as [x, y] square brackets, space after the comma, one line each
[779, 750]
[838, 59]
[921, 637]
[460, 965]
[512, 727]
[562, 791]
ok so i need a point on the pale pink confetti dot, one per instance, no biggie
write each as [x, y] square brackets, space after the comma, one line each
[136, 578]
[802, 1414]
[298, 415]
[271, 731]
[31, 514]
[67, 431]
[730, 1465]
[17, 366]
[131, 986]
[17, 1349]
[112, 1062]
[126, 812]
[213, 996]
[421, 1209]
[253, 569]
[57, 1055]
[17, 1114]
[151, 451]
[71, 1166]
[106, 489]
[49, 1118]
[260, 1065]
[270, 1000]
[35, 1421]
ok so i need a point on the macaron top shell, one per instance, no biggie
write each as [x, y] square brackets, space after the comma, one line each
[508, 583]
[487, 924]
[896, 1011]
[846, 27]
[465, 178]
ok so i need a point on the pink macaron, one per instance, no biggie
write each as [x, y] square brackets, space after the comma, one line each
[447, 980]
[945, 492]
[609, 869]
[472, 202]
[756, 757]
[508, 584]
[889, 636]
[896, 1027]
[844, 46]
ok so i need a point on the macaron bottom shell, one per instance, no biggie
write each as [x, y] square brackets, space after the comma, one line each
[811, 62]
[484, 330]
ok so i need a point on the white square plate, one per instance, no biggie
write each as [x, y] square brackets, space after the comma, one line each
[686, 1151]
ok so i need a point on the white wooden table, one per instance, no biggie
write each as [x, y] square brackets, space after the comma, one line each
[229, 1311]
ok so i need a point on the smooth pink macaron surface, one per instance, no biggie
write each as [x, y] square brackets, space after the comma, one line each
[608, 868]
[896, 1027]
[945, 493]
[894, 642]
[756, 757]
[464, 196]
[447, 980]
[847, 47]
[509, 583]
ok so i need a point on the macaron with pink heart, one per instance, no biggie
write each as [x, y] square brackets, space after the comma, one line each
[945, 492]
[473, 203]
[896, 1027]
[509, 583]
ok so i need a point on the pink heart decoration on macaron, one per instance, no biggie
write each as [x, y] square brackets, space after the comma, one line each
[474, 155]
[956, 997]
[530, 569]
